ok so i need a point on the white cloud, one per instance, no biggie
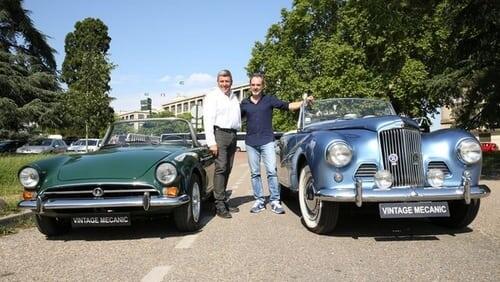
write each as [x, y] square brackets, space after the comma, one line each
[200, 79]
[165, 78]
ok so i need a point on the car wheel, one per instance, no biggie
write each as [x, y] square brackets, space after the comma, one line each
[461, 214]
[318, 216]
[52, 226]
[187, 217]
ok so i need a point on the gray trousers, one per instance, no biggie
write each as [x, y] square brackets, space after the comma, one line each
[226, 143]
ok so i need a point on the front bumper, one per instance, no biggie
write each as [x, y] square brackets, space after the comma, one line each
[409, 194]
[39, 205]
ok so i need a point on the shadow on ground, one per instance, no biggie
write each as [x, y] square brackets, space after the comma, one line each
[145, 227]
[365, 222]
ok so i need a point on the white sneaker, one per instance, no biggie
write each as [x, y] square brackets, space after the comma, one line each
[277, 208]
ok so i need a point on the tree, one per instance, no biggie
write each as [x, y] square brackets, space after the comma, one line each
[417, 54]
[86, 70]
[28, 82]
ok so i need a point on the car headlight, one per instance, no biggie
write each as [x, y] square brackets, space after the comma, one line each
[29, 177]
[469, 151]
[166, 173]
[435, 177]
[338, 154]
[383, 179]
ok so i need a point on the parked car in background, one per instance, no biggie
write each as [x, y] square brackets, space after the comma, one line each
[84, 146]
[144, 167]
[240, 141]
[359, 151]
[10, 146]
[489, 147]
[43, 145]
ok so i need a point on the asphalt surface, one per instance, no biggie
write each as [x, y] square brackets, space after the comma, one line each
[262, 246]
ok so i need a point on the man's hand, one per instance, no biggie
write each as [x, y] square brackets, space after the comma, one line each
[309, 100]
[214, 149]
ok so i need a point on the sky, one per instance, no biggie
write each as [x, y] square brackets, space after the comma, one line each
[164, 49]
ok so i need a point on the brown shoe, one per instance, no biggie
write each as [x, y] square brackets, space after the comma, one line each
[223, 212]
[232, 209]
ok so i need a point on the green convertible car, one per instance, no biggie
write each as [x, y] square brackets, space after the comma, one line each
[144, 167]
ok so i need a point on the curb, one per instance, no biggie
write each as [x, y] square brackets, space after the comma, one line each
[10, 219]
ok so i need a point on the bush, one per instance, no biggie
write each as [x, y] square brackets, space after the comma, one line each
[491, 164]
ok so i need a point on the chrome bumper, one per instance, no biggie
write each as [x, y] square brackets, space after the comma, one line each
[145, 202]
[359, 195]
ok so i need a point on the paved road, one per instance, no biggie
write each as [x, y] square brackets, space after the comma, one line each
[262, 246]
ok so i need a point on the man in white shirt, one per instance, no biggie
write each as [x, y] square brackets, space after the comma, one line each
[222, 119]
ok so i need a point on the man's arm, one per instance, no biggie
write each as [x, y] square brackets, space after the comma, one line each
[296, 105]
[209, 112]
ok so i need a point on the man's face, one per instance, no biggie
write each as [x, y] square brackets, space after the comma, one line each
[256, 85]
[224, 83]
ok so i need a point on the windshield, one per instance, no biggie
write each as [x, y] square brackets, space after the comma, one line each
[346, 108]
[41, 142]
[150, 132]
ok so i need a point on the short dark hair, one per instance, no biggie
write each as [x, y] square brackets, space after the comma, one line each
[259, 75]
[224, 73]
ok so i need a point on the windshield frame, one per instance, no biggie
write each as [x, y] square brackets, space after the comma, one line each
[105, 141]
[305, 109]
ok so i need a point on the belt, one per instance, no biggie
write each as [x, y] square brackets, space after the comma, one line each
[228, 130]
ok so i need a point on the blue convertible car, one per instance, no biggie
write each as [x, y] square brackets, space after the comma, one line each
[359, 151]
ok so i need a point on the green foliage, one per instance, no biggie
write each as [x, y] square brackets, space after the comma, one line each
[87, 70]
[162, 114]
[419, 54]
[9, 167]
[28, 82]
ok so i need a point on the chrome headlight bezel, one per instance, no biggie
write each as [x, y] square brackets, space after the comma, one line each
[166, 173]
[469, 151]
[338, 153]
[29, 177]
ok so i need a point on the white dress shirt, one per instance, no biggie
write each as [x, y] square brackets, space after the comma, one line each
[222, 111]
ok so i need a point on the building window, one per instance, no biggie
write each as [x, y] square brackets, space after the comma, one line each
[185, 109]
[141, 116]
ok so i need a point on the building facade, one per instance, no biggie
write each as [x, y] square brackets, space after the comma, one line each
[133, 115]
[180, 105]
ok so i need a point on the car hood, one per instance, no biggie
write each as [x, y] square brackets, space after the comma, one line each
[119, 163]
[372, 123]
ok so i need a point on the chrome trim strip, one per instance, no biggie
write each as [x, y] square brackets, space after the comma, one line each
[137, 201]
[81, 184]
[106, 191]
[402, 194]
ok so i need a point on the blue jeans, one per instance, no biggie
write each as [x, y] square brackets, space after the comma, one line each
[268, 155]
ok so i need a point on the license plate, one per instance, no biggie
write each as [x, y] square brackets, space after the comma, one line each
[112, 219]
[411, 210]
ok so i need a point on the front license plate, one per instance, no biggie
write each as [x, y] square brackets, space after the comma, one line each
[420, 209]
[113, 219]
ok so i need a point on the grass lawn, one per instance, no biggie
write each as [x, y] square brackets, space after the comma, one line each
[10, 189]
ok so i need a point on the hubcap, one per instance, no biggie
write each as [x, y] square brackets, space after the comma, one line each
[312, 203]
[195, 202]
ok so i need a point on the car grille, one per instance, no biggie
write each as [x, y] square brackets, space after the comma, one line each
[366, 171]
[109, 191]
[441, 166]
[402, 156]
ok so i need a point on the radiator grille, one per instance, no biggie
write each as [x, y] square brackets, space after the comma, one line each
[110, 191]
[366, 171]
[441, 166]
[402, 156]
